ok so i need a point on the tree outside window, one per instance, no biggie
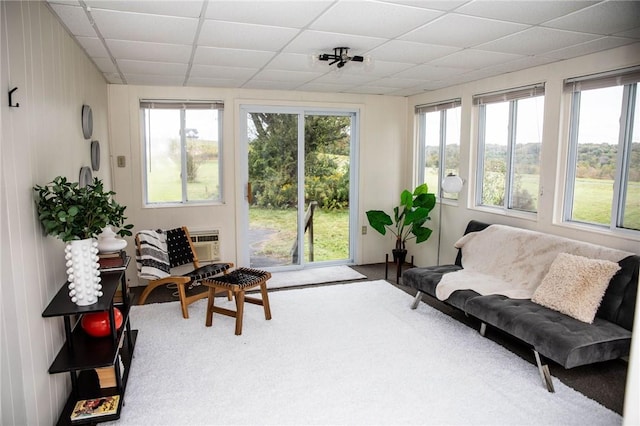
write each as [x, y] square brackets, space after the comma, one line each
[603, 175]
[439, 139]
[182, 151]
[509, 144]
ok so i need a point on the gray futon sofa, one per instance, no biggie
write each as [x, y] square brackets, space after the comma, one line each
[552, 334]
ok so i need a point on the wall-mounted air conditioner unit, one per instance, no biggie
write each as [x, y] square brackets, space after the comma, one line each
[207, 245]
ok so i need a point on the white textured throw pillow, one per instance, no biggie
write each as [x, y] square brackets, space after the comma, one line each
[575, 285]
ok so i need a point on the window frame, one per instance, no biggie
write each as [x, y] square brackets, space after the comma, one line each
[420, 111]
[629, 79]
[512, 96]
[182, 106]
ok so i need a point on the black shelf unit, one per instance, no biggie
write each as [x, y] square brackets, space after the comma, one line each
[81, 354]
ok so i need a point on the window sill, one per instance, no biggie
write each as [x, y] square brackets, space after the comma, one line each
[533, 217]
[625, 234]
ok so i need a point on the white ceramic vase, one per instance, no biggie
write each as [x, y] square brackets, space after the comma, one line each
[108, 243]
[82, 271]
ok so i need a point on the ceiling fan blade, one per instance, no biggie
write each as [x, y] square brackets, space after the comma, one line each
[358, 59]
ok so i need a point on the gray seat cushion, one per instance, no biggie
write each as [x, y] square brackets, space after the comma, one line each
[426, 279]
[565, 340]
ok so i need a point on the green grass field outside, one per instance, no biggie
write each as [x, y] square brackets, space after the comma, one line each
[331, 233]
[165, 184]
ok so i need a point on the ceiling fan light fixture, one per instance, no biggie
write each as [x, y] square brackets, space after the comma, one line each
[339, 57]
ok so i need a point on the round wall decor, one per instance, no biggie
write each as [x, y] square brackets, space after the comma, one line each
[95, 155]
[85, 177]
[87, 121]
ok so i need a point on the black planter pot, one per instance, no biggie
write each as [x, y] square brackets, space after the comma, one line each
[399, 256]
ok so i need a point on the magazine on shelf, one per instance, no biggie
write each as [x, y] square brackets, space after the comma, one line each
[89, 408]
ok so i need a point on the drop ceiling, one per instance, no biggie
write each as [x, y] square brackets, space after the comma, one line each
[410, 46]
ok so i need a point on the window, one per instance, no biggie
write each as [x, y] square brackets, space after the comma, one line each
[509, 142]
[603, 175]
[182, 151]
[439, 139]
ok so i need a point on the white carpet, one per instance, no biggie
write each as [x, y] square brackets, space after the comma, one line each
[313, 276]
[343, 354]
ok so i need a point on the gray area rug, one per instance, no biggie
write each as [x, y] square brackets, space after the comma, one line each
[344, 354]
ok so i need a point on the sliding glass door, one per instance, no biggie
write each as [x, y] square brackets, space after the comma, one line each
[298, 176]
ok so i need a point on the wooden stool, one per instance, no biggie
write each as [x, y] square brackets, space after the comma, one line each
[238, 282]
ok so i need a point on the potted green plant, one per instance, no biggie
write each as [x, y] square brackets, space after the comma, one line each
[408, 220]
[76, 215]
[70, 212]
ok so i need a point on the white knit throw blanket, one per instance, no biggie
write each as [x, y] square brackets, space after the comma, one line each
[152, 258]
[512, 261]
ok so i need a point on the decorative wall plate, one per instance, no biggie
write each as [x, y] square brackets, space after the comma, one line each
[86, 177]
[87, 121]
[95, 155]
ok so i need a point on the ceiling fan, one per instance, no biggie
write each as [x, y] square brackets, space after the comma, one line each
[340, 57]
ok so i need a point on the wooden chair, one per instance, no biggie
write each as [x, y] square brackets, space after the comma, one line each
[180, 251]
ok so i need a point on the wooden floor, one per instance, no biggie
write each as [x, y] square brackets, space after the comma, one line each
[602, 382]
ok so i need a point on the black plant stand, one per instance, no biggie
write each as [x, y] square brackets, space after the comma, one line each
[398, 267]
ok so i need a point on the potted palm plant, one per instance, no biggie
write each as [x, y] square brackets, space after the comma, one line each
[76, 215]
[408, 220]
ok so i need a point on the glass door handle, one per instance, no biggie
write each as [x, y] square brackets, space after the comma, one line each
[249, 193]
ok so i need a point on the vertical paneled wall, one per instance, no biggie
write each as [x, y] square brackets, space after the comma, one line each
[41, 139]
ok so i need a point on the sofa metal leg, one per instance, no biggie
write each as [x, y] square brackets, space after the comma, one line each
[483, 329]
[417, 300]
[544, 373]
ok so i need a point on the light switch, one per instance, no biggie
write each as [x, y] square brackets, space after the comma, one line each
[121, 161]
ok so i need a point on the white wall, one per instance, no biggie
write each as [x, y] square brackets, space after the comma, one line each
[381, 156]
[554, 147]
[40, 140]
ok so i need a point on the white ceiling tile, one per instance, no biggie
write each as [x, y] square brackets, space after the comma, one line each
[314, 42]
[339, 77]
[141, 27]
[429, 72]
[447, 31]
[105, 65]
[632, 33]
[281, 75]
[187, 9]
[536, 40]
[372, 90]
[93, 46]
[429, 4]
[410, 52]
[380, 20]
[268, 44]
[216, 82]
[267, 12]
[271, 85]
[231, 57]
[604, 18]
[518, 64]
[74, 19]
[145, 51]
[295, 62]
[377, 68]
[325, 87]
[213, 71]
[154, 80]
[396, 83]
[245, 36]
[593, 46]
[113, 78]
[472, 59]
[128, 66]
[525, 12]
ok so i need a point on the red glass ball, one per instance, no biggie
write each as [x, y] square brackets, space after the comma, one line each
[97, 324]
